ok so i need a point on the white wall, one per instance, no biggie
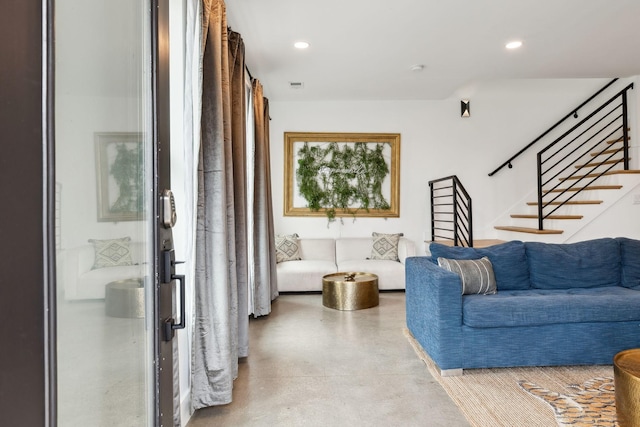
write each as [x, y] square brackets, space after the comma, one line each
[95, 92]
[436, 142]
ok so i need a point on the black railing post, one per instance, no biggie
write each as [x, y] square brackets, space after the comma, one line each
[433, 219]
[470, 237]
[540, 218]
[455, 212]
[625, 131]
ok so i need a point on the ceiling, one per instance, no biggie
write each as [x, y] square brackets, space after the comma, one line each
[364, 49]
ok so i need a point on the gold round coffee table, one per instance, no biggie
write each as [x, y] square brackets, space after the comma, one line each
[125, 298]
[350, 290]
[626, 371]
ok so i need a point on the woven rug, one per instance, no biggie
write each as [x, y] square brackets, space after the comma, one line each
[531, 396]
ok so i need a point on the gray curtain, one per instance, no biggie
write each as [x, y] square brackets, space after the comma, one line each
[220, 283]
[265, 285]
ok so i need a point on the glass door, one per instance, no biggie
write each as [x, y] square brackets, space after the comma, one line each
[108, 169]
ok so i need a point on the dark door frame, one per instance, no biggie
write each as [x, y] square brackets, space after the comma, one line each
[27, 198]
[27, 380]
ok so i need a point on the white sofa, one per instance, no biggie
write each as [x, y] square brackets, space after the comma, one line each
[345, 254]
[80, 281]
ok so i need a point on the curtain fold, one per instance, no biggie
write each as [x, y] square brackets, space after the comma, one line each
[220, 282]
[265, 285]
[239, 188]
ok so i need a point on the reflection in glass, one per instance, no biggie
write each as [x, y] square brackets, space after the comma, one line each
[103, 240]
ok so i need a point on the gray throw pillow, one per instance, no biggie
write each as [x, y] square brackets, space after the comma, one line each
[476, 275]
[287, 248]
[385, 246]
[111, 252]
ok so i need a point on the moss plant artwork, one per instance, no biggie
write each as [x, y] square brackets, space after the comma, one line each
[129, 175]
[335, 175]
[345, 177]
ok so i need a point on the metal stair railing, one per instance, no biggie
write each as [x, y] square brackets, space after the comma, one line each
[451, 211]
[583, 154]
[573, 113]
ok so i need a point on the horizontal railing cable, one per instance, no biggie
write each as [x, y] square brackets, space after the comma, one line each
[459, 216]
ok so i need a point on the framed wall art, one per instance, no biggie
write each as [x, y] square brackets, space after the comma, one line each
[342, 174]
[120, 176]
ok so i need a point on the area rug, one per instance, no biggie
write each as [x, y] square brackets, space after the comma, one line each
[531, 396]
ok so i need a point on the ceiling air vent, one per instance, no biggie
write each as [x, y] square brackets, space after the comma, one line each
[296, 85]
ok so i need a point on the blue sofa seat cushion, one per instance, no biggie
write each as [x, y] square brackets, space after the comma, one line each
[588, 264]
[544, 307]
[508, 259]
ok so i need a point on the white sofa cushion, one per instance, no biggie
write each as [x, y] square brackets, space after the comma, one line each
[304, 275]
[318, 249]
[318, 257]
[359, 248]
[390, 273]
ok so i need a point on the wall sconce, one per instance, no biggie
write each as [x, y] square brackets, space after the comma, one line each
[465, 108]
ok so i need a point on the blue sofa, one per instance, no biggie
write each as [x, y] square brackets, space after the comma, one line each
[556, 304]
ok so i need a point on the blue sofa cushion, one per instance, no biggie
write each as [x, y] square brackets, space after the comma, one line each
[587, 264]
[630, 254]
[508, 259]
[544, 307]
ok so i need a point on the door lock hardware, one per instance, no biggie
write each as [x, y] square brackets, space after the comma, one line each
[168, 276]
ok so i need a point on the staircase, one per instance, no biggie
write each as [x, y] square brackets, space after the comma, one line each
[574, 215]
[581, 174]
[584, 177]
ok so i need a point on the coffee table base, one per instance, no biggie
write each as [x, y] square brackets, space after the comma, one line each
[350, 290]
[125, 298]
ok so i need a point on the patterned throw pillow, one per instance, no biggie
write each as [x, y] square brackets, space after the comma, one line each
[385, 246]
[287, 248]
[111, 253]
[476, 275]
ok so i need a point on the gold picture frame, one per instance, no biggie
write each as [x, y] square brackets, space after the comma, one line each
[296, 205]
[120, 175]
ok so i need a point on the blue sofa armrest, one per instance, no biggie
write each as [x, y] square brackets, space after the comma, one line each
[434, 311]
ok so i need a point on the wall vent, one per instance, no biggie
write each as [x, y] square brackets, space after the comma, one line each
[296, 85]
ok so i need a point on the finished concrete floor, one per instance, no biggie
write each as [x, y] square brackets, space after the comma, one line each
[309, 365]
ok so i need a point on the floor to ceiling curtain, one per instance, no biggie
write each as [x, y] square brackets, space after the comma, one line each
[265, 285]
[220, 283]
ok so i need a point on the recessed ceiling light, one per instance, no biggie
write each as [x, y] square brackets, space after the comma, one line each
[514, 44]
[301, 45]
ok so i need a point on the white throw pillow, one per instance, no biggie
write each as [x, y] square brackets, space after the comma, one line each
[385, 246]
[111, 252]
[287, 248]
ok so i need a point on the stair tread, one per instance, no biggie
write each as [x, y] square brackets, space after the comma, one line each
[527, 230]
[570, 202]
[535, 216]
[595, 175]
[613, 141]
[613, 150]
[587, 188]
[608, 162]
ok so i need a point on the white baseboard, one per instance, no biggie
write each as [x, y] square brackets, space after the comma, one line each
[185, 409]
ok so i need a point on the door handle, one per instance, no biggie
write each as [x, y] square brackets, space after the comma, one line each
[169, 324]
